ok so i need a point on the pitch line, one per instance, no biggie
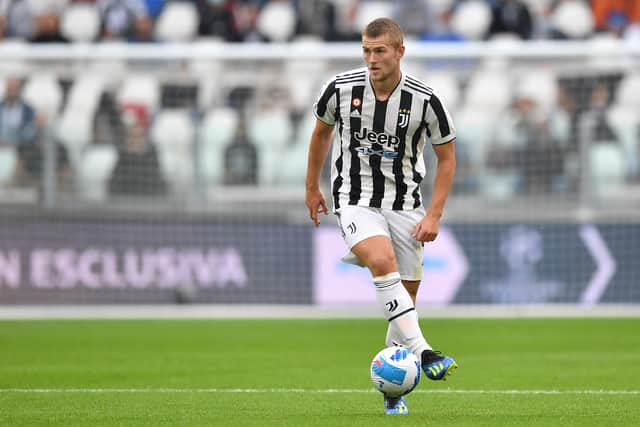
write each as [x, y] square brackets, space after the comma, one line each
[308, 391]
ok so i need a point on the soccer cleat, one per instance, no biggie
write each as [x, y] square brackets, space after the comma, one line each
[395, 406]
[436, 366]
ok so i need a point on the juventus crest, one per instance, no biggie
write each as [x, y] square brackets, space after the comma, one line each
[403, 117]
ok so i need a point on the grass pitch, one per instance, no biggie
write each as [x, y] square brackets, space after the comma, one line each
[522, 372]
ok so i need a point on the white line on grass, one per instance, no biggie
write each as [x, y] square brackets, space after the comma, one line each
[309, 391]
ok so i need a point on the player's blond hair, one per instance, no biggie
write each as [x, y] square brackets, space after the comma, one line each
[384, 26]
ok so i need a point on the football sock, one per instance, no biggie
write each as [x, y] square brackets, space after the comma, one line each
[400, 311]
[393, 337]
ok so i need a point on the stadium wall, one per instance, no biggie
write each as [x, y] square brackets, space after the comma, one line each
[93, 261]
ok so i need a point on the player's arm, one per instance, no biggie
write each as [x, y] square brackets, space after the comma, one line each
[318, 151]
[427, 229]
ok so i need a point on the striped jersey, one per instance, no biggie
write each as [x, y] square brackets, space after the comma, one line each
[377, 155]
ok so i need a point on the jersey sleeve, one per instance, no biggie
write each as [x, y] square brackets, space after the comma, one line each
[325, 106]
[438, 120]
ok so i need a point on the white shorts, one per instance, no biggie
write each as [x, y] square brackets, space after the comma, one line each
[359, 223]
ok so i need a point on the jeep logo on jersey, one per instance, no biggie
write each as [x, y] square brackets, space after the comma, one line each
[376, 138]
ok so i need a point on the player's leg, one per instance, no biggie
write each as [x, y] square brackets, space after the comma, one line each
[366, 234]
[393, 336]
[409, 256]
[377, 254]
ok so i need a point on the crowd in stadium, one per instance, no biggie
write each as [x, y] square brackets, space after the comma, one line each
[522, 137]
[331, 20]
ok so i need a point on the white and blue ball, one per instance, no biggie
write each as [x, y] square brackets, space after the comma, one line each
[395, 371]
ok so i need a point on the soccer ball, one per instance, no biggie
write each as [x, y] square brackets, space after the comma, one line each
[395, 371]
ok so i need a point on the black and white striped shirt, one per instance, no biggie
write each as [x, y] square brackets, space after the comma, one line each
[378, 161]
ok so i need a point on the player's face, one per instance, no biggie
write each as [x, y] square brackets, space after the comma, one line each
[382, 58]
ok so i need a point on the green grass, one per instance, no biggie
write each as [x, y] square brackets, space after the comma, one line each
[180, 362]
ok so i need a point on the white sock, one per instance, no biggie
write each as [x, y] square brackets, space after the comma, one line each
[400, 311]
[393, 337]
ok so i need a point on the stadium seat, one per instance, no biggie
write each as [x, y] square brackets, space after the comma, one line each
[207, 71]
[538, 84]
[488, 90]
[627, 92]
[8, 160]
[624, 118]
[75, 131]
[216, 131]
[94, 171]
[304, 76]
[141, 89]
[270, 131]
[85, 92]
[293, 165]
[367, 11]
[471, 19]
[573, 18]
[44, 93]
[80, 22]
[625, 124]
[277, 21]
[607, 164]
[476, 131]
[446, 85]
[178, 22]
[172, 132]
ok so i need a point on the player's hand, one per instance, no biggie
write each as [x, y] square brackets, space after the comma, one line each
[427, 229]
[316, 204]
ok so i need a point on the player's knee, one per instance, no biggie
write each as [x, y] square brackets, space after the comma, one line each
[382, 264]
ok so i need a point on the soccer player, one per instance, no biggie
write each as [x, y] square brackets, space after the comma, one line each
[382, 116]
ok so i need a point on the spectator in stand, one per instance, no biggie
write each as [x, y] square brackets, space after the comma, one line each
[596, 115]
[137, 171]
[125, 19]
[21, 128]
[317, 18]
[440, 29]
[219, 18]
[414, 16]
[17, 19]
[615, 15]
[533, 140]
[47, 26]
[241, 159]
[17, 125]
[511, 17]
[154, 7]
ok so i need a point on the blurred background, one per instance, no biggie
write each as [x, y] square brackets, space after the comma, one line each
[155, 151]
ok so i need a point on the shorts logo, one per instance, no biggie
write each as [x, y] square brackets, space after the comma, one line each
[352, 228]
